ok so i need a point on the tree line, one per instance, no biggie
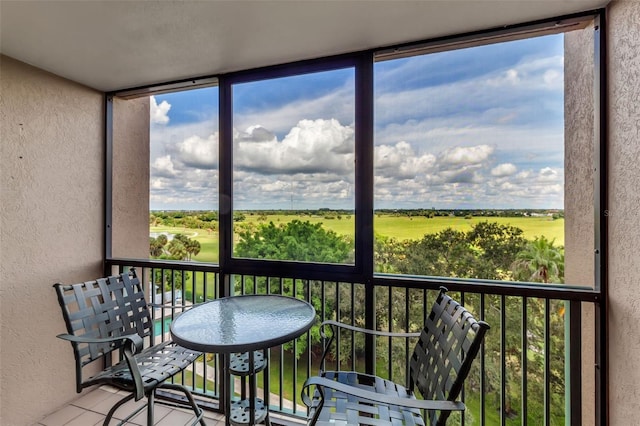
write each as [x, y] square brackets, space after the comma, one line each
[208, 219]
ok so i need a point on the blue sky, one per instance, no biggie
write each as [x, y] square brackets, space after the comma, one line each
[472, 128]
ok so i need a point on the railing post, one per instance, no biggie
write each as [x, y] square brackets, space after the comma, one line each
[370, 314]
[573, 363]
[108, 181]
[364, 129]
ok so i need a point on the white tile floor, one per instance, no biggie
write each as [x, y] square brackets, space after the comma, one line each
[91, 409]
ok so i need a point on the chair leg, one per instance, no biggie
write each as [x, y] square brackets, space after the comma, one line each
[150, 401]
[115, 407]
[197, 410]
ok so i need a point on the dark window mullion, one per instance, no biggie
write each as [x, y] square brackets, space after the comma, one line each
[225, 179]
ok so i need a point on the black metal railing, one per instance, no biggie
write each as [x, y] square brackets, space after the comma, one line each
[528, 372]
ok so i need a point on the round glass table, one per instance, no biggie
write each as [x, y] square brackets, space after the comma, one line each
[241, 324]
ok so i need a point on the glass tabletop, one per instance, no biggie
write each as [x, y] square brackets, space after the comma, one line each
[243, 323]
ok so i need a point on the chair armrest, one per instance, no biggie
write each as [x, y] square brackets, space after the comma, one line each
[135, 341]
[378, 398]
[161, 306]
[135, 345]
[165, 306]
[336, 324]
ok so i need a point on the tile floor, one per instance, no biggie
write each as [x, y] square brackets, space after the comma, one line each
[91, 408]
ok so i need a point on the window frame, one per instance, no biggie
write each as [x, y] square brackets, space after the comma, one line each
[363, 62]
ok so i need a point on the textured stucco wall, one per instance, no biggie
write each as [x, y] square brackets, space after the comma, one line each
[131, 178]
[624, 212]
[624, 203]
[579, 157]
[51, 219]
[579, 192]
[51, 229]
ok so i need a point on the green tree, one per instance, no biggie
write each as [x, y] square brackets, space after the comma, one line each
[485, 252]
[540, 261]
[193, 248]
[446, 253]
[156, 248]
[167, 279]
[386, 251]
[496, 246]
[177, 249]
[295, 240]
[162, 239]
[180, 247]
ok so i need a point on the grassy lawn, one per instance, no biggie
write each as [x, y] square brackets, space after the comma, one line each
[199, 386]
[398, 227]
[208, 241]
[403, 228]
[288, 376]
[411, 228]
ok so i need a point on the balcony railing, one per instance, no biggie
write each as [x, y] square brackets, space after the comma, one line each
[528, 372]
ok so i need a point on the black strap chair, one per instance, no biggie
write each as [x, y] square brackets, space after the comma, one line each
[438, 367]
[111, 314]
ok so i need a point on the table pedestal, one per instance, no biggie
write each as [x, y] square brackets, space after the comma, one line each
[241, 412]
[248, 410]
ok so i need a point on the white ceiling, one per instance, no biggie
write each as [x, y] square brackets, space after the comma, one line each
[110, 45]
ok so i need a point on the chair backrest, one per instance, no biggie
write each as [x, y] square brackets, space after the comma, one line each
[445, 350]
[107, 307]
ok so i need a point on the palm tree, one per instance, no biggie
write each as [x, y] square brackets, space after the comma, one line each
[540, 261]
[155, 247]
[162, 239]
[193, 247]
[177, 249]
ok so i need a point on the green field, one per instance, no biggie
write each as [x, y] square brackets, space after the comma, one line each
[399, 227]
[208, 241]
[413, 228]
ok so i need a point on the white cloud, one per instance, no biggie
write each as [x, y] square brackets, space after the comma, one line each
[504, 169]
[508, 186]
[538, 73]
[163, 166]
[158, 114]
[526, 91]
[548, 174]
[551, 189]
[401, 161]
[313, 163]
[195, 151]
[553, 78]
[463, 175]
[511, 76]
[524, 175]
[182, 159]
[157, 184]
[466, 155]
[339, 105]
[312, 146]
[474, 142]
